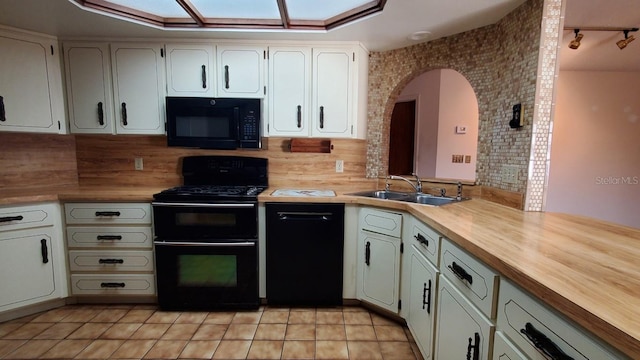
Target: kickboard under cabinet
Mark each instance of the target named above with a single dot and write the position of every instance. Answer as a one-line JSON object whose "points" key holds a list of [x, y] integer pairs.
{"points": [[113, 284]]}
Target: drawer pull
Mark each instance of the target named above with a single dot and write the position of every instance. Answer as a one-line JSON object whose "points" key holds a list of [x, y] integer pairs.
{"points": [[11, 218], [422, 240], [426, 297], [111, 261], [107, 213], [112, 285], [543, 343], [473, 350], [460, 272], [367, 253], [109, 237]]}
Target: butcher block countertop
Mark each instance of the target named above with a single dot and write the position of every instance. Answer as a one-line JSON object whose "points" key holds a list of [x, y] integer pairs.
{"points": [[589, 270]]}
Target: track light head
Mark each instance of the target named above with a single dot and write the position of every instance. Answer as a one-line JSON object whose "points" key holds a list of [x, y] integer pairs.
{"points": [[626, 41], [575, 43]]}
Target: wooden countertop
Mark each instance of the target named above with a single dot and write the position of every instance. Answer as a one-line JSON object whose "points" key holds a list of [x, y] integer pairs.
{"points": [[587, 269]]}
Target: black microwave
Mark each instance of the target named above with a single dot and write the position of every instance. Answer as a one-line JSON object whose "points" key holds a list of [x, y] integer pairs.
{"points": [[213, 123]]}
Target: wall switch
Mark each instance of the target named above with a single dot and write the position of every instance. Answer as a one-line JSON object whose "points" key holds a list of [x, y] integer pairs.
{"points": [[339, 166], [467, 159], [138, 164], [509, 174]]}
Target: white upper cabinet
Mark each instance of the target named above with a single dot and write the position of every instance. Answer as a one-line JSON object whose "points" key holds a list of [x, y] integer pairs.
{"points": [[313, 91], [88, 76], [332, 106], [289, 91], [190, 70], [139, 88], [240, 71], [30, 83]]}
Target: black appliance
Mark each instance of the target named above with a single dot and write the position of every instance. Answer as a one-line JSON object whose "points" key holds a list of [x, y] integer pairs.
{"points": [[206, 245], [304, 249], [213, 123]]}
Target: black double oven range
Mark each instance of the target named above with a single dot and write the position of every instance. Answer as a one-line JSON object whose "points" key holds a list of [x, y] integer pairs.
{"points": [[206, 234]]}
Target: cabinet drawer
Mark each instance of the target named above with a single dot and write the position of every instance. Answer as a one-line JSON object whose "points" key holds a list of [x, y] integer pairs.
{"points": [[425, 240], [113, 284], [382, 222], [110, 236], [81, 260], [23, 217], [518, 312], [473, 278], [108, 213]]}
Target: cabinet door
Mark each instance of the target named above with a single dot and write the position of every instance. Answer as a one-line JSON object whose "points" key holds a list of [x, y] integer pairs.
{"points": [[26, 267], [240, 71], [190, 70], [462, 331], [89, 88], [289, 89], [423, 285], [139, 88], [30, 84], [379, 270], [332, 93]]}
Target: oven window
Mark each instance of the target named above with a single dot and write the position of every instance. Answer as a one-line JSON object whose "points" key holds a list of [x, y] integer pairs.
{"points": [[205, 219], [202, 126], [207, 270]]}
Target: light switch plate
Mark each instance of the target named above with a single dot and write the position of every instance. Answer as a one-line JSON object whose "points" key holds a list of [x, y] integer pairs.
{"points": [[509, 174]]}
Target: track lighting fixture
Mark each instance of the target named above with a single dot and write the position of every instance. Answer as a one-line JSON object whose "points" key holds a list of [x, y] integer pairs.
{"points": [[627, 39], [575, 43]]}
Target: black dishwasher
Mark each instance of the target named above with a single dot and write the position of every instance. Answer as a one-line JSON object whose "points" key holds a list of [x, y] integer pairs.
{"points": [[304, 248]]}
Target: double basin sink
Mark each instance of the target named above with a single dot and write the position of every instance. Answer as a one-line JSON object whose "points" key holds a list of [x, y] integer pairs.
{"points": [[417, 198]]}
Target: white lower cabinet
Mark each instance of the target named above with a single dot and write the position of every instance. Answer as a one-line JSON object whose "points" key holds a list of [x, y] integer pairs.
{"points": [[378, 254], [110, 249], [537, 330], [423, 285], [503, 349], [31, 256], [462, 332]]}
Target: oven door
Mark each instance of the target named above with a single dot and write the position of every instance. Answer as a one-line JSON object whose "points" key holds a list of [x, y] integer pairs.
{"points": [[203, 276], [196, 221]]}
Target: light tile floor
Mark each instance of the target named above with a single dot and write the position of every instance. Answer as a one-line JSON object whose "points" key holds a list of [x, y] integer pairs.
{"points": [[143, 332]]}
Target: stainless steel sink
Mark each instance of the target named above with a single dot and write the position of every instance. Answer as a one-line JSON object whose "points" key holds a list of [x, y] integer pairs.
{"points": [[425, 199], [432, 200], [384, 194]]}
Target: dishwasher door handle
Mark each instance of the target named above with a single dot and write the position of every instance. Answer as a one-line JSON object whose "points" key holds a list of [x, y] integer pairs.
{"points": [[304, 216]]}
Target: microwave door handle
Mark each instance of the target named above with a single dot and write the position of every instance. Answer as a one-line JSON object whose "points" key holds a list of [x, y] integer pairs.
{"points": [[236, 118]]}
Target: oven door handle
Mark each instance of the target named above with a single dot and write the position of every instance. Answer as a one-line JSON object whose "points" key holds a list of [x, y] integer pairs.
{"points": [[216, 244], [216, 205]]}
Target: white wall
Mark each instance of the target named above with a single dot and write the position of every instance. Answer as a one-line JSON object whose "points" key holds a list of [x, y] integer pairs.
{"points": [[445, 99], [595, 153]]}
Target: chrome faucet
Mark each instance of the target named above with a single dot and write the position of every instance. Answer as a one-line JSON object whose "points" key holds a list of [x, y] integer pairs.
{"points": [[417, 187]]}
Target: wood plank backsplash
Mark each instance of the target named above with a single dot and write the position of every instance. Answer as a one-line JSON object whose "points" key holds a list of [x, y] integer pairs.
{"points": [[37, 160], [109, 160]]}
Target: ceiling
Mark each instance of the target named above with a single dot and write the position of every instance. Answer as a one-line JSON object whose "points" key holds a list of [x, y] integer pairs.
{"points": [[382, 31], [598, 50]]}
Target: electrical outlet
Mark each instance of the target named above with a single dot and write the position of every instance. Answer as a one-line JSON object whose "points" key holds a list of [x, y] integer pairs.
{"points": [[138, 164], [339, 166], [509, 174]]}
